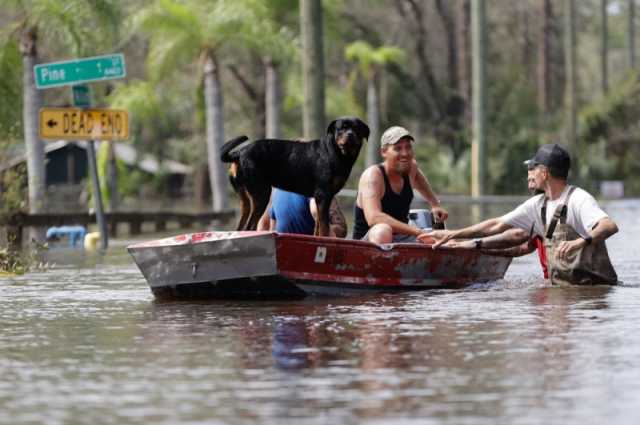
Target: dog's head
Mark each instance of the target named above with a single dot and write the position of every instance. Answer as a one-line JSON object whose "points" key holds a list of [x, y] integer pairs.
{"points": [[348, 133]]}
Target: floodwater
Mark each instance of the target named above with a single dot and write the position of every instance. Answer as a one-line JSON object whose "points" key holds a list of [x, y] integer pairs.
{"points": [[84, 342]]}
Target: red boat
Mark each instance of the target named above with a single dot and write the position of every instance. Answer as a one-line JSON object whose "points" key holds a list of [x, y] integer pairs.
{"points": [[268, 264]]}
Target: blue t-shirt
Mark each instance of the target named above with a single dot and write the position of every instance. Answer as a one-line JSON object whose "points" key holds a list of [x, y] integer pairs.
{"points": [[291, 213]]}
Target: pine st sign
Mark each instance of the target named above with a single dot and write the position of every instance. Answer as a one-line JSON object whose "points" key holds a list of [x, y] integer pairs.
{"points": [[83, 124], [76, 71]]}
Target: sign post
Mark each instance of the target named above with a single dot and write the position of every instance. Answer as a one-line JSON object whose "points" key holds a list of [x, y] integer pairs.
{"points": [[93, 169], [84, 124]]}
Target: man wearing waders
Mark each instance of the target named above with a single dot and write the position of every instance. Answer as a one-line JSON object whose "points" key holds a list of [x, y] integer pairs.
{"points": [[568, 219]]}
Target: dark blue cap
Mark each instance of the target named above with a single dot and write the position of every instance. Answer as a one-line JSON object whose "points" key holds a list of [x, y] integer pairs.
{"points": [[553, 156]]}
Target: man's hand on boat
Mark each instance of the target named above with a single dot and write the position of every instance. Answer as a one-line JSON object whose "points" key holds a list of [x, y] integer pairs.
{"points": [[440, 214], [436, 238], [426, 238]]}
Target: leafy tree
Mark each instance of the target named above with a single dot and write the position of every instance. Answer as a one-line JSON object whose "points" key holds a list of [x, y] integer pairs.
{"points": [[189, 31], [10, 86], [74, 24], [371, 61]]}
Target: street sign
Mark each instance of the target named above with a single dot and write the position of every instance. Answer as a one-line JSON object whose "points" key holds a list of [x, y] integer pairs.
{"points": [[83, 124], [98, 68], [81, 95]]}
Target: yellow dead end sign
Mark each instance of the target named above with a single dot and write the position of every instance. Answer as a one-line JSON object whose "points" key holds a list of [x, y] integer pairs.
{"points": [[83, 124]]}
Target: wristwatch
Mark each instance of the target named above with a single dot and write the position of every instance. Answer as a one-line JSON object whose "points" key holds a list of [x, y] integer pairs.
{"points": [[588, 240], [477, 243]]}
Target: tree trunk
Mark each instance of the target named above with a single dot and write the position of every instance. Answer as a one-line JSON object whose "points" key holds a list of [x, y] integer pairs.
{"points": [[478, 148], [215, 132], [544, 62], [273, 99], [604, 47], [570, 80], [200, 187], [464, 62], [34, 146], [312, 68], [527, 45], [254, 93], [632, 33], [373, 120], [449, 26]]}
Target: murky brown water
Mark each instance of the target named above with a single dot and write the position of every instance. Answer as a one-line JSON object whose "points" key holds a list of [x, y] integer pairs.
{"points": [[85, 343]]}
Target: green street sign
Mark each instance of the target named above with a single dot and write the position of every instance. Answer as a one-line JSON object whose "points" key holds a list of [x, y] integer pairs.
{"points": [[81, 95], [98, 68]]}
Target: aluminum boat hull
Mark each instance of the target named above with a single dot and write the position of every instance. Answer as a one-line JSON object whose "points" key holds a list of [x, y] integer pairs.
{"points": [[268, 264]]}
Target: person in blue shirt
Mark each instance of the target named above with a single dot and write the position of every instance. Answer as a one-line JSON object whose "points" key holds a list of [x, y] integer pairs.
{"points": [[294, 213]]}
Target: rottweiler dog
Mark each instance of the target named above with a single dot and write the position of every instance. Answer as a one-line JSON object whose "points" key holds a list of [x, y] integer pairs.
{"points": [[317, 168]]}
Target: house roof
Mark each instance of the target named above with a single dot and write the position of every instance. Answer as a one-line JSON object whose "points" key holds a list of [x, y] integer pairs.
{"points": [[124, 152]]}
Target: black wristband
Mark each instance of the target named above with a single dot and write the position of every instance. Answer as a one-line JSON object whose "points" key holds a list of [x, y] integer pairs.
{"points": [[478, 243], [588, 239]]}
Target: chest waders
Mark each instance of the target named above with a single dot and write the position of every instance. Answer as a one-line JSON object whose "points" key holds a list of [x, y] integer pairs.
{"points": [[589, 265]]}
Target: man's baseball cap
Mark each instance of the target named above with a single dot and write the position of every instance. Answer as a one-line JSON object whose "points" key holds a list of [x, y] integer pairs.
{"points": [[553, 156], [392, 135]]}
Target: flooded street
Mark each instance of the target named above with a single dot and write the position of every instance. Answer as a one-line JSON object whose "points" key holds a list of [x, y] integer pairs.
{"points": [[86, 343]]}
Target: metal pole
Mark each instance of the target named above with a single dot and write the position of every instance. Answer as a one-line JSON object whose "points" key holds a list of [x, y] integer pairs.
{"points": [[82, 98], [604, 47], [313, 108], [478, 144], [97, 195], [570, 85]]}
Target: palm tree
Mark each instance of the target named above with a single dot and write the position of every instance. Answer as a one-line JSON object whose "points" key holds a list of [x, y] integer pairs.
{"points": [[371, 62], [268, 36], [74, 24], [189, 31], [276, 52]]}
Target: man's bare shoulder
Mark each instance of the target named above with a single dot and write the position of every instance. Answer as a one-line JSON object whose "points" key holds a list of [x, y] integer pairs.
{"points": [[414, 170], [371, 182]]}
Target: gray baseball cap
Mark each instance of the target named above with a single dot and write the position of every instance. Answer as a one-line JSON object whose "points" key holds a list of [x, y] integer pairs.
{"points": [[392, 135]]}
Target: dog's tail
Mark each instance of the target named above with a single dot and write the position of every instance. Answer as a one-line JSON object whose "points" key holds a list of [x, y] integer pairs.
{"points": [[229, 146]]}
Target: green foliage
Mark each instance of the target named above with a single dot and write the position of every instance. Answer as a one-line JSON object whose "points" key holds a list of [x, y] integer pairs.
{"points": [[10, 89], [180, 32], [129, 181], [13, 183], [617, 111], [513, 130], [341, 102], [13, 191], [611, 132], [11, 263], [85, 27], [369, 58], [445, 173], [171, 37]]}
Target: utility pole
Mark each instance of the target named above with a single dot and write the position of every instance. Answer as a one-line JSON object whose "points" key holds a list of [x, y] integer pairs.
{"points": [[631, 33], [604, 47], [478, 145], [312, 68], [570, 69]]}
